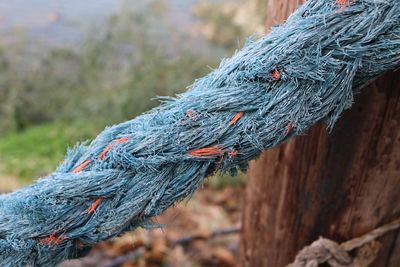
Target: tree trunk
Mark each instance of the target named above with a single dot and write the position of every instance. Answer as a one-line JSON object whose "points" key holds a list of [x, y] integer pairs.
{"points": [[338, 185]]}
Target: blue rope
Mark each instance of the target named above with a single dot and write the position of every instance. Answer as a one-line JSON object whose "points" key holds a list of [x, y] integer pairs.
{"points": [[304, 71]]}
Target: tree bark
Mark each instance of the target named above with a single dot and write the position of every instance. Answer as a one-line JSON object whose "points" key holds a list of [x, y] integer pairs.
{"points": [[338, 185]]}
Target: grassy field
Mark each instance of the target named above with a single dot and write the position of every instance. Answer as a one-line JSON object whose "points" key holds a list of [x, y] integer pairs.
{"points": [[38, 150]]}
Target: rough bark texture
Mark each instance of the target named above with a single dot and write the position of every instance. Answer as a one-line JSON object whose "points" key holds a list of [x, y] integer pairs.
{"points": [[338, 185]]}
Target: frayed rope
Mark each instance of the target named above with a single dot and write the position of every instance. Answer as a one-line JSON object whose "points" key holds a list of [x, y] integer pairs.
{"points": [[304, 71], [326, 251]]}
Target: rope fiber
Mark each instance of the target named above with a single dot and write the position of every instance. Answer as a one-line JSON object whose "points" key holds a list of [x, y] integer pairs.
{"points": [[327, 251], [276, 87]]}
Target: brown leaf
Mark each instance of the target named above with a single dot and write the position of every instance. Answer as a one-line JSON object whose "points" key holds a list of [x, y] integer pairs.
{"points": [[224, 257]]}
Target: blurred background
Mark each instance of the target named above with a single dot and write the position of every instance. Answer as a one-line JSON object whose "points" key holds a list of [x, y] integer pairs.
{"points": [[68, 68]]}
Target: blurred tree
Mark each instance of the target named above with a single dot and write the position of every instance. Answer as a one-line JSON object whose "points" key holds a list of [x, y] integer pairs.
{"points": [[122, 63], [227, 22]]}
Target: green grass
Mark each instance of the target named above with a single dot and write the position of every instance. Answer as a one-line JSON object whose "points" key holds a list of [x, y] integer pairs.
{"points": [[38, 150]]}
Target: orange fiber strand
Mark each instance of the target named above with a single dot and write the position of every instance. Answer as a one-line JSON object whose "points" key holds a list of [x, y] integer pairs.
{"points": [[236, 118], [276, 74], [207, 151], [342, 2], [81, 167], [289, 128], [109, 146], [190, 113], [94, 205], [233, 153], [105, 151], [122, 140], [53, 239]]}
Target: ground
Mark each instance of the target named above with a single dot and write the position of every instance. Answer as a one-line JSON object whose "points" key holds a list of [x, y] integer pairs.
{"points": [[203, 231]]}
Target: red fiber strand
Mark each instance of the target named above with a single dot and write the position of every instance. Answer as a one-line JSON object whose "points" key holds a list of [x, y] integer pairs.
{"points": [[233, 153], [122, 140], [109, 146], [190, 113], [105, 151], [53, 239], [342, 2], [276, 74], [82, 166], [236, 118], [207, 151], [94, 205], [289, 128]]}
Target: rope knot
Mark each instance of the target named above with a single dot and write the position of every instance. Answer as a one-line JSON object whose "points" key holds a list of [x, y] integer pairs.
{"points": [[327, 251]]}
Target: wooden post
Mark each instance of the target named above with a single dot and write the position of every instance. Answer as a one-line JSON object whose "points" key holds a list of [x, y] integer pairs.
{"points": [[338, 185]]}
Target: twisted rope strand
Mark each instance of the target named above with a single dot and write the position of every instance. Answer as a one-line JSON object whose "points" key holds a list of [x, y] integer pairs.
{"points": [[304, 71]]}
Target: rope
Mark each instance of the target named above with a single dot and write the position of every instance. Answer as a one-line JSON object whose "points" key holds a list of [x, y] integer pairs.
{"points": [[304, 71], [327, 251]]}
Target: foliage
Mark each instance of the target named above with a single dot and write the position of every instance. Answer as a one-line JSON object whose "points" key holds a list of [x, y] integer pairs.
{"points": [[112, 77], [227, 22]]}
